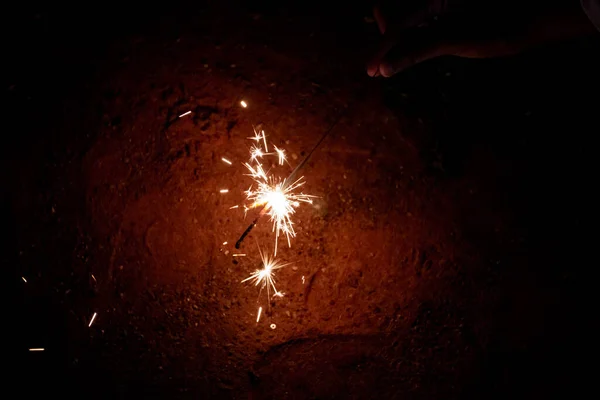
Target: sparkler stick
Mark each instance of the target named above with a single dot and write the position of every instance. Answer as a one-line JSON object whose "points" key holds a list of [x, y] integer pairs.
{"points": [[288, 181]]}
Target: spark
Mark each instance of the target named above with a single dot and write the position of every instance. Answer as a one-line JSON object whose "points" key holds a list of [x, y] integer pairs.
{"points": [[258, 316], [244, 104], [92, 321], [94, 278], [185, 113], [239, 255], [256, 152], [24, 280], [257, 136], [37, 349], [279, 294], [226, 160], [264, 277], [265, 140], [233, 207], [280, 154], [224, 191], [273, 326], [303, 279], [224, 243]]}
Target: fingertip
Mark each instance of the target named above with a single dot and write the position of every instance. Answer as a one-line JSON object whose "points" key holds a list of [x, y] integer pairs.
{"points": [[387, 70], [372, 70]]}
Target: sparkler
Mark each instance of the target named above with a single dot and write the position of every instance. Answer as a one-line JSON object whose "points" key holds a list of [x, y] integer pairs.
{"points": [[277, 197]]}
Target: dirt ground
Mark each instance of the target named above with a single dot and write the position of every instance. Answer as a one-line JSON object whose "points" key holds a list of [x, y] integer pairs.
{"points": [[444, 256]]}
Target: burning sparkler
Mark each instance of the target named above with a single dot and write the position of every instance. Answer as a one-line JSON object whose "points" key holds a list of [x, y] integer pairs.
{"points": [[264, 277], [277, 197]]}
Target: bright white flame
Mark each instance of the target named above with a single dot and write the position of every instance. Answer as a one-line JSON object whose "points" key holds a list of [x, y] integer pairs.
{"points": [[279, 199]]}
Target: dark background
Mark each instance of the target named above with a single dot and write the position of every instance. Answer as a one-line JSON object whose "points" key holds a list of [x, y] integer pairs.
{"points": [[487, 295]]}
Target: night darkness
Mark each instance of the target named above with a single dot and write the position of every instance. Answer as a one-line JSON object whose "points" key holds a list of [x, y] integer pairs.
{"points": [[446, 254]]}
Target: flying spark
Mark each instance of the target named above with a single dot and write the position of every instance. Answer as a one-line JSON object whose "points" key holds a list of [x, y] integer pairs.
{"points": [[273, 326], [224, 191], [37, 349], [280, 155], [92, 321], [233, 207], [224, 243], [24, 280], [258, 316], [226, 160], [185, 113], [243, 103], [238, 255]]}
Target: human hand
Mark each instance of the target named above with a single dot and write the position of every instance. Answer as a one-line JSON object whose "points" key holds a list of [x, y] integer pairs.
{"points": [[418, 30]]}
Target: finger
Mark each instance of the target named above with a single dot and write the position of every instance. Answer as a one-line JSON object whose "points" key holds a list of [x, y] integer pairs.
{"points": [[380, 19], [405, 15], [386, 45], [417, 46]]}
